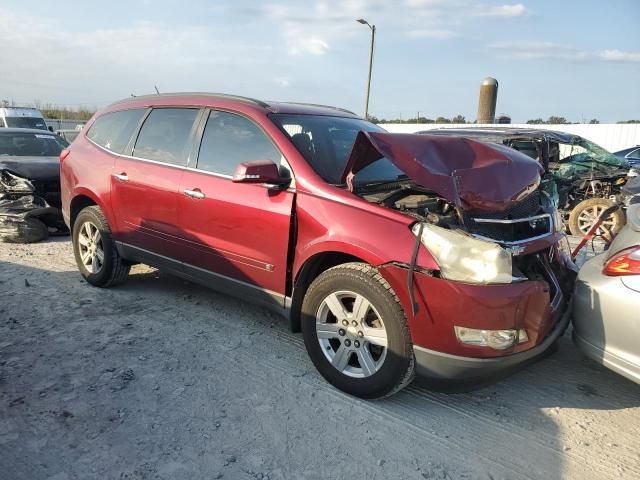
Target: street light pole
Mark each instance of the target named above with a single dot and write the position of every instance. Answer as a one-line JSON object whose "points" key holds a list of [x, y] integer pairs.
{"points": [[373, 37]]}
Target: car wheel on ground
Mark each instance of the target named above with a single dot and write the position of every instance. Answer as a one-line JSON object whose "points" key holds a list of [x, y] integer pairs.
{"points": [[356, 332], [95, 251], [584, 215]]}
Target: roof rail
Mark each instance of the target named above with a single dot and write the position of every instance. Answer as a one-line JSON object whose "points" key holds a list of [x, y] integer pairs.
{"points": [[323, 106], [252, 101]]}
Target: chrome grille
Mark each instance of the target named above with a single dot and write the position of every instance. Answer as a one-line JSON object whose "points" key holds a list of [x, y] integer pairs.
{"points": [[523, 222]]}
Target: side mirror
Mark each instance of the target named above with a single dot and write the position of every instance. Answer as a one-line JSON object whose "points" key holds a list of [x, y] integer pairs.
{"points": [[259, 171]]}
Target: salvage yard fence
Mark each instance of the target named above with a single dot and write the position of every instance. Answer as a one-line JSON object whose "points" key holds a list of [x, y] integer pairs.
{"points": [[611, 136], [60, 124]]}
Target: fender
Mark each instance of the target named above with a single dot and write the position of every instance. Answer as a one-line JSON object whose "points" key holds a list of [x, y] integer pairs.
{"points": [[104, 206]]}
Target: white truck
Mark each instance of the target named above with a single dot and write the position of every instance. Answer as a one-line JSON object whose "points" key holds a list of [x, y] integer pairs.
{"points": [[21, 117]]}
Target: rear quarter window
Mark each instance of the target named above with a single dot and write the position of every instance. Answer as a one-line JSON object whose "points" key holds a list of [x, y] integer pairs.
{"points": [[113, 130]]}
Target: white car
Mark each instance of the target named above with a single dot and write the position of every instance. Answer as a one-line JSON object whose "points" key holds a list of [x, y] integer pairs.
{"points": [[606, 311]]}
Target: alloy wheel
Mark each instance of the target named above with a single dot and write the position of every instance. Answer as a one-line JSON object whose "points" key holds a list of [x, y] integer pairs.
{"points": [[589, 216], [90, 247], [351, 334]]}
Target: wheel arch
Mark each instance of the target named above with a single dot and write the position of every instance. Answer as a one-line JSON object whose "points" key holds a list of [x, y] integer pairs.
{"points": [[308, 272], [85, 198]]}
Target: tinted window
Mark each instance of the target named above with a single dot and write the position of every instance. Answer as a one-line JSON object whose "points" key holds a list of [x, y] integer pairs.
{"points": [[26, 122], [635, 155], [229, 140], [113, 130], [31, 145], [165, 134], [326, 142]]}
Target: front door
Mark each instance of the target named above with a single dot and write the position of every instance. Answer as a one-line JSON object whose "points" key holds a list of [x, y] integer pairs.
{"points": [[237, 232]]}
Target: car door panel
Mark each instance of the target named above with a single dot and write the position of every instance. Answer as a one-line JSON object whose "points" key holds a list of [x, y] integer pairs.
{"points": [[143, 223], [236, 230], [146, 184], [240, 231]]}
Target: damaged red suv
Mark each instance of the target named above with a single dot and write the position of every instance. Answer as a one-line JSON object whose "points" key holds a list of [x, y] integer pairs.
{"points": [[394, 254]]}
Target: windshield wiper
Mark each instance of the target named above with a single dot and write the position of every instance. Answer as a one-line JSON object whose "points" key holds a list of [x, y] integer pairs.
{"points": [[400, 179]]}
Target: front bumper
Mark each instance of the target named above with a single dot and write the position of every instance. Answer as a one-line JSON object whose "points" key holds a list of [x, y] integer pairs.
{"points": [[443, 366], [540, 307]]}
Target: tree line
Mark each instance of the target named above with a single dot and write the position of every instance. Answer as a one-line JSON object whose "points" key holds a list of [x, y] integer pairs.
{"points": [[552, 120], [57, 112], [83, 113]]}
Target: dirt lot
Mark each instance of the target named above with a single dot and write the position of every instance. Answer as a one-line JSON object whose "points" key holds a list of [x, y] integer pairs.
{"points": [[163, 379]]}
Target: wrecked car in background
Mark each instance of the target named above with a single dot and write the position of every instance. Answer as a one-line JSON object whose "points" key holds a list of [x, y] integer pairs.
{"points": [[394, 254], [587, 177], [29, 185]]}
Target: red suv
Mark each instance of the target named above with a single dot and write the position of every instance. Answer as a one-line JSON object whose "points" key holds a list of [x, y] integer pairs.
{"points": [[392, 253]]}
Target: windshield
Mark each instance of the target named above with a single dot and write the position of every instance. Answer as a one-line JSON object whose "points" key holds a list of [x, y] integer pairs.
{"points": [[326, 142], [25, 122], [31, 145], [584, 151]]}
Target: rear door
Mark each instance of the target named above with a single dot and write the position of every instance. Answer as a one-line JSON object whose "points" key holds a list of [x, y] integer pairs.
{"points": [[236, 234], [145, 184]]}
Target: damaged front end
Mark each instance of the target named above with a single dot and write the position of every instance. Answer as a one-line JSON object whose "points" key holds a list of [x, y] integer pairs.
{"points": [[489, 221], [25, 214]]}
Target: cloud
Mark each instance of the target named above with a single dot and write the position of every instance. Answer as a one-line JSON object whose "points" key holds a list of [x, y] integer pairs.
{"points": [[48, 61], [282, 82], [536, 49], [506, 11], [528, 50], [317, 26], [618, 56]]}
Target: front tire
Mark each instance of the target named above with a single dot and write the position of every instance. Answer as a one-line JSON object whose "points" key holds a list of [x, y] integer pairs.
{"points": [[356, 332], [95, 251]]}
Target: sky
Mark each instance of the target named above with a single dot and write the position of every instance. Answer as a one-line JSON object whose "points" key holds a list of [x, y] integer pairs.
{"points": [[577, 59]]}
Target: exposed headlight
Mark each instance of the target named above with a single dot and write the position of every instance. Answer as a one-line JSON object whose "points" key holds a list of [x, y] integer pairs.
{"points": [[496, 339], [464, 258]]}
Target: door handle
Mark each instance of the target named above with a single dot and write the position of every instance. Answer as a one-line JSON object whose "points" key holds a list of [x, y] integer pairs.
{"points": [[121, 176], [194, 193]]}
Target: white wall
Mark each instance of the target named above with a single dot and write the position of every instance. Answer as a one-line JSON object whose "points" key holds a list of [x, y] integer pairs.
{"points": [[612, 136]]}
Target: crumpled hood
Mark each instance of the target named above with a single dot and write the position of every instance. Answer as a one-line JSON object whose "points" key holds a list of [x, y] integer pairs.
{"points": [[32, 168], [469, 174]]}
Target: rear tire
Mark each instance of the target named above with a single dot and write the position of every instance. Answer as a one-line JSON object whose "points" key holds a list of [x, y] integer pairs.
{"points": [[348, 348], [95, 251], [587, 211]]}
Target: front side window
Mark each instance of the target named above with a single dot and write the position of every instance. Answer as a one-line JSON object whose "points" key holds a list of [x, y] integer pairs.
{"points": [[164, 136], [113, 130], [326, 142], [231, 139], [31, 145]]}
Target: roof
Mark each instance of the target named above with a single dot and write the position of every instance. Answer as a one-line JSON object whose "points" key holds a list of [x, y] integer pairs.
{"points": [[267, 106], [26, 130], [501, 133]]}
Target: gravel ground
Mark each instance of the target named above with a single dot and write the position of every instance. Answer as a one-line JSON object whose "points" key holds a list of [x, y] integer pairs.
{"points": [[160, 378]]}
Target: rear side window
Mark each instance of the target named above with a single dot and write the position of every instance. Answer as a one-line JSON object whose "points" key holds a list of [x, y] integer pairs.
{"points": [[165, 135], [113, 130], [231, 139]]}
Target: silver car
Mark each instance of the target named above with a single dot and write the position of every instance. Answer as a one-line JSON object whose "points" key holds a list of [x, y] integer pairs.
{"points": [[606, 314]]}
